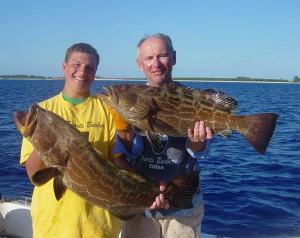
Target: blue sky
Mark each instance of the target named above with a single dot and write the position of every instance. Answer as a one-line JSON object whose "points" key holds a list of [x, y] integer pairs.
{"points": [[229, 38]]}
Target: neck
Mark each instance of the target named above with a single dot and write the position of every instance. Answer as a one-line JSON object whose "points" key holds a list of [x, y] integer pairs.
{"points": [[157, 84], [72, 94], [73, 100]]}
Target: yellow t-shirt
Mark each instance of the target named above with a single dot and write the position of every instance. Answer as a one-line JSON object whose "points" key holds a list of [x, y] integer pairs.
{"points": [[72, 216]]}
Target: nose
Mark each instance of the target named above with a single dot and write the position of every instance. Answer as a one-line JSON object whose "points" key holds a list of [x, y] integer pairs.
{"points": [[84, 69], [156, 62]]}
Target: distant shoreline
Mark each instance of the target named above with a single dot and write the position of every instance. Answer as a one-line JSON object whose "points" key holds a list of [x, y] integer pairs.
{"points": [[175, 79], [243, 79]]}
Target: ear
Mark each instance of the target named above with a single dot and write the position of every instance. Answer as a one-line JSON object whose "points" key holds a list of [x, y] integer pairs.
{"points": [[63, 67], [174, 57], [139, 63]]}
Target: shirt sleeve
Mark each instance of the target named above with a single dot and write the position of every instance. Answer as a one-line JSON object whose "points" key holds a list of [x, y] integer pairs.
{"points": [[111, 131], [137, 147], [199, 154], [26, 150]]}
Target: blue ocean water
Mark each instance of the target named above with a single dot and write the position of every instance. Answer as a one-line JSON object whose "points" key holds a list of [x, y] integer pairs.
{"points": [[246, 194]]}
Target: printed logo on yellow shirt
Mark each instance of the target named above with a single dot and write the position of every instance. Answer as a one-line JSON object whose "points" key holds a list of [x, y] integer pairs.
{"points": [[88, 124], [78, 126], [94, 124]]}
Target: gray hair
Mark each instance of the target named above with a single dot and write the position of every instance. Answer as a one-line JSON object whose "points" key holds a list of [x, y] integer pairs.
{"points": [[164, 37]]}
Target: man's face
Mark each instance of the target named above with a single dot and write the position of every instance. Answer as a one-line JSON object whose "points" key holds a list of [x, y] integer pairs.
{"points": [[156, 61], [79, 73]]}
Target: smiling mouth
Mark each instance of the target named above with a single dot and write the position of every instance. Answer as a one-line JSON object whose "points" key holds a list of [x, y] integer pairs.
{"points": [[159, 72], [80, 79]]}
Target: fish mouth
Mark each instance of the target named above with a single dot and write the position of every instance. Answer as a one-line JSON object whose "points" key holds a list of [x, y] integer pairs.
{"points": [[111, 94], [26, 121]]}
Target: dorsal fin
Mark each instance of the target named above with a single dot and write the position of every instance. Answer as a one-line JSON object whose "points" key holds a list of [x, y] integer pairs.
{"points": [[209, 96], [216, 98]]}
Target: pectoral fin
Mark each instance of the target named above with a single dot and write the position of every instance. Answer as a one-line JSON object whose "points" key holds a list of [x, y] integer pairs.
{"points": [[44, 175], [140, 112], [59, 188], [159, 125], [154, 140], [145, 111]]}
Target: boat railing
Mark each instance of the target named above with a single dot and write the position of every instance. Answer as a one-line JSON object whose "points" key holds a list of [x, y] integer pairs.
{"points": [[21, 200]]}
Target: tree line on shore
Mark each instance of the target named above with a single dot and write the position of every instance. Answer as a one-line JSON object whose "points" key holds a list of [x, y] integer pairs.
{"points": [[31, 76]]}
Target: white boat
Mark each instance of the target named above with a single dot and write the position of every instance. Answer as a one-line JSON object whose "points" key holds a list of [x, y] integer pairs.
{"points": [[15, 220]]}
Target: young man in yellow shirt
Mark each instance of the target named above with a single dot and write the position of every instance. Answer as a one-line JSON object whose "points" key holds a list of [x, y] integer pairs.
{"points": [[72, 216]]}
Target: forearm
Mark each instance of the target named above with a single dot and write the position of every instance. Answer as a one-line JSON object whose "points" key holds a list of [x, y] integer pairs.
{"points": [[122, 163], [33, 164]]}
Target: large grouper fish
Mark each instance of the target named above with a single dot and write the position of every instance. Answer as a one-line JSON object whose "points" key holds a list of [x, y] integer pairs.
{"points": [[172, 108], [74, 164]]}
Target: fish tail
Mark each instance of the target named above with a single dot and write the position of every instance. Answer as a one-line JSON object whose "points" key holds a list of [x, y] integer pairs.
{"points": [[258, 129], [180, 194]]}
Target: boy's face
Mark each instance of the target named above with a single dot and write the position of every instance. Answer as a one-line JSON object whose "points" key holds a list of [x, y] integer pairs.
{"points": [[79, 71]]}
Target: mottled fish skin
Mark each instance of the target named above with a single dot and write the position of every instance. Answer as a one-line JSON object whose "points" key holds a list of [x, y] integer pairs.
{"points": [[172, 108], [73, 163]]}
